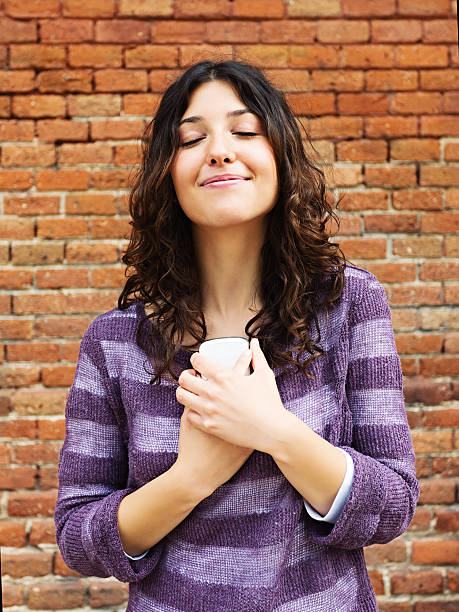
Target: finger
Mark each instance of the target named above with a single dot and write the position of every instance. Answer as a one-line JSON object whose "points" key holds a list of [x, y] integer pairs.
{"points": [[205, 366], [188, 399], [191, 382], [259, 360], [243, 362]]}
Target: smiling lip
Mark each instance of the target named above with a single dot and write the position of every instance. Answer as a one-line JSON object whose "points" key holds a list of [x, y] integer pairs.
{"points": [[230, 178]]}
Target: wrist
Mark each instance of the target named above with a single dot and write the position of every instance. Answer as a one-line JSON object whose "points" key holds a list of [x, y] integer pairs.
{"points": [[191, 487], [279, 437]]}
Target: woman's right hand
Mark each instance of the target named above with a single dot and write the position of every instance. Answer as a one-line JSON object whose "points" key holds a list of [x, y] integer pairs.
{"points": [[207, 461]]}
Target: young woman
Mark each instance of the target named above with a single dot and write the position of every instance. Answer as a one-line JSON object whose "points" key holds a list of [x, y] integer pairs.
{"points": [[234, 492]]}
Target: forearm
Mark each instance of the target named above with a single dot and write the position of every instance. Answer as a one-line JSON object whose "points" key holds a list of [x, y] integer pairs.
{"points": [[152, 511], [313, 466]]}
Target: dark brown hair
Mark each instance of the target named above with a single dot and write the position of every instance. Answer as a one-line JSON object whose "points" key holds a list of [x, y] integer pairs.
{"points": [[302, 270]]}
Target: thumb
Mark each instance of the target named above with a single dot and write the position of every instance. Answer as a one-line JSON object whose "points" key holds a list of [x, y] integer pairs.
{"points": [[243, 362]]}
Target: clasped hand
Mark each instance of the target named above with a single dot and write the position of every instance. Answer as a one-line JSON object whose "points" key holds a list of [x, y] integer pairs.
{"points": [[244, 410]]}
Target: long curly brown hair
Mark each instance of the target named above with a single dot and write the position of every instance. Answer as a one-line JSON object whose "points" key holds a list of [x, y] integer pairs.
{"points": [[302, 270]]}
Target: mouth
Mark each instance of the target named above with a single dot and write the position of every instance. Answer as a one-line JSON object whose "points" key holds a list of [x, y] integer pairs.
{"points": [[225, 182]]}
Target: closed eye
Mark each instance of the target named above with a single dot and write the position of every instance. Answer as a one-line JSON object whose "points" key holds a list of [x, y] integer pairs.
{"points": [[192, 142]]}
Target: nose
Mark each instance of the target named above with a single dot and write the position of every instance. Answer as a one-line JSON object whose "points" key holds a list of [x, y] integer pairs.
{"points": [[220, 152]]}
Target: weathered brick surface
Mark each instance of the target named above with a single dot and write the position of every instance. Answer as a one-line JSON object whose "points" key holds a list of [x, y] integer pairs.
{"points": [[375, 84]]}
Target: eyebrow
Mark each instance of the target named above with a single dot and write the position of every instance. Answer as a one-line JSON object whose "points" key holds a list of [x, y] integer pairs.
{"points": [[196, 118]]}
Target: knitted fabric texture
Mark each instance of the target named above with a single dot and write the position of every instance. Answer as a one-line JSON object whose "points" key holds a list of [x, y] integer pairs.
{"points": [[250, 546]]}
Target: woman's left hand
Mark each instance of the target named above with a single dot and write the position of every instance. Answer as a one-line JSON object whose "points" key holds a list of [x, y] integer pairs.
{"points": [[244, 410]]}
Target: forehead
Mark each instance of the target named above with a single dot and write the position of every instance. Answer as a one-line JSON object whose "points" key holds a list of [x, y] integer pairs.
{"points": [[213, 99]]}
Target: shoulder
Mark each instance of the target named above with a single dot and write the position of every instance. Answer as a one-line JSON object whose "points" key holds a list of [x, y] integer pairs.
{"points": [[360, 284], [116, 324]]}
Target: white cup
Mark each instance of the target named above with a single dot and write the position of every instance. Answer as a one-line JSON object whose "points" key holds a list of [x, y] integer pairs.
{"points": [[225, 351]]}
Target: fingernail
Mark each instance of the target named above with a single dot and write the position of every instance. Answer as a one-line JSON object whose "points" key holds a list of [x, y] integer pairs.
{"points": [[255, 342]]}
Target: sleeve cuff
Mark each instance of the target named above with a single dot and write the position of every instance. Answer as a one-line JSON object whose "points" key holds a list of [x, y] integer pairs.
{"points": [[341, 497], [137, 557]]}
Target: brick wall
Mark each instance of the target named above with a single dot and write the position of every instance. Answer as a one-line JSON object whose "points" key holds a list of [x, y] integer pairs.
{"points": [[376, 83]]}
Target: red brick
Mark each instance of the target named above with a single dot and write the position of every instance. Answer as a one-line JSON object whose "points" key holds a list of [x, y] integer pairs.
{"points": [[12, 533], [445, 466], [440, 79], [110, 228], [61, 327], [440, 126], [400, 176], [17, 478], [377, 582], [50, 130], [90, 302], [338, 80], [121, 80], [80, 252], [13, 595], [232, 32], [362, 150], [440, 222], [365, 248], [95, 8], [401, 319], [446, 520], [110, 179], [437, 491], [359, 8], [365, 200], [128, 154], [421, 520], [94, 105], [416, 103], [415, 149], [421, 56], [440, 30], [48, 477], [28, 155], [16, 279], [90, 204], [95, 56], [367, 56], [61, 228], [19, 229], [451, 152], [37, 56], [452, 579], [311, 103], [314, 56], [58, 375], [432, 441], [379, 554], [19, 376], [20, 80], [16, 130], [416, 582], [39, 106], [439, 366], [164, 31], [39, 303], [258, 8], [345, 176], [336, 127], [107, 277], [396, 30], [418, 246], [37, 254], [61, 569], [59, 279], [51, 429], [108, 593], [439, 175], [197, 9], [293, 31], [441, 418], [12, 31], [32, 8], [42, 532], [410, 295], [362, 103], [61, 81], [56, 596], [91, 153], [146, 8], [418, 199], [427, 8], [342, 31], [390, 127], [390, 80], [452, 198], [140, 104], [20, 564], [5, 106], [43, 452], [16, 329], [430, 271], [452, 342], [66, 30], [390, 223], [33, 351], [67, 180], [438, 552], [320, 8], [38, 403], [269, 56], [122, 31]]}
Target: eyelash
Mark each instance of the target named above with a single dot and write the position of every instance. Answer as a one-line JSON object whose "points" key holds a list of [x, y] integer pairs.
{"points": [[191, 142]]}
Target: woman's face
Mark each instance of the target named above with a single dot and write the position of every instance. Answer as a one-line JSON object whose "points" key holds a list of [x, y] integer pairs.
{"points": [[219, 136]]}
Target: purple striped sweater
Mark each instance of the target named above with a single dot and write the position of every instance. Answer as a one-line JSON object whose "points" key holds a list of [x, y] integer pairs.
{"points": [[250, 546]]}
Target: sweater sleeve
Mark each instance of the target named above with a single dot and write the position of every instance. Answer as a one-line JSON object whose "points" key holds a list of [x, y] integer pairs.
{"points": [[384, 491], [93, 474]]}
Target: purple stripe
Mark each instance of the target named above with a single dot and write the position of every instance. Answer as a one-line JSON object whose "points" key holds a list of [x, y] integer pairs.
{"points": [[379, 372]]}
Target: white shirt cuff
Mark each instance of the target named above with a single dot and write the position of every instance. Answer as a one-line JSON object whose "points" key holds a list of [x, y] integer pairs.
{"points": [[138, 556], [341, 497]]}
